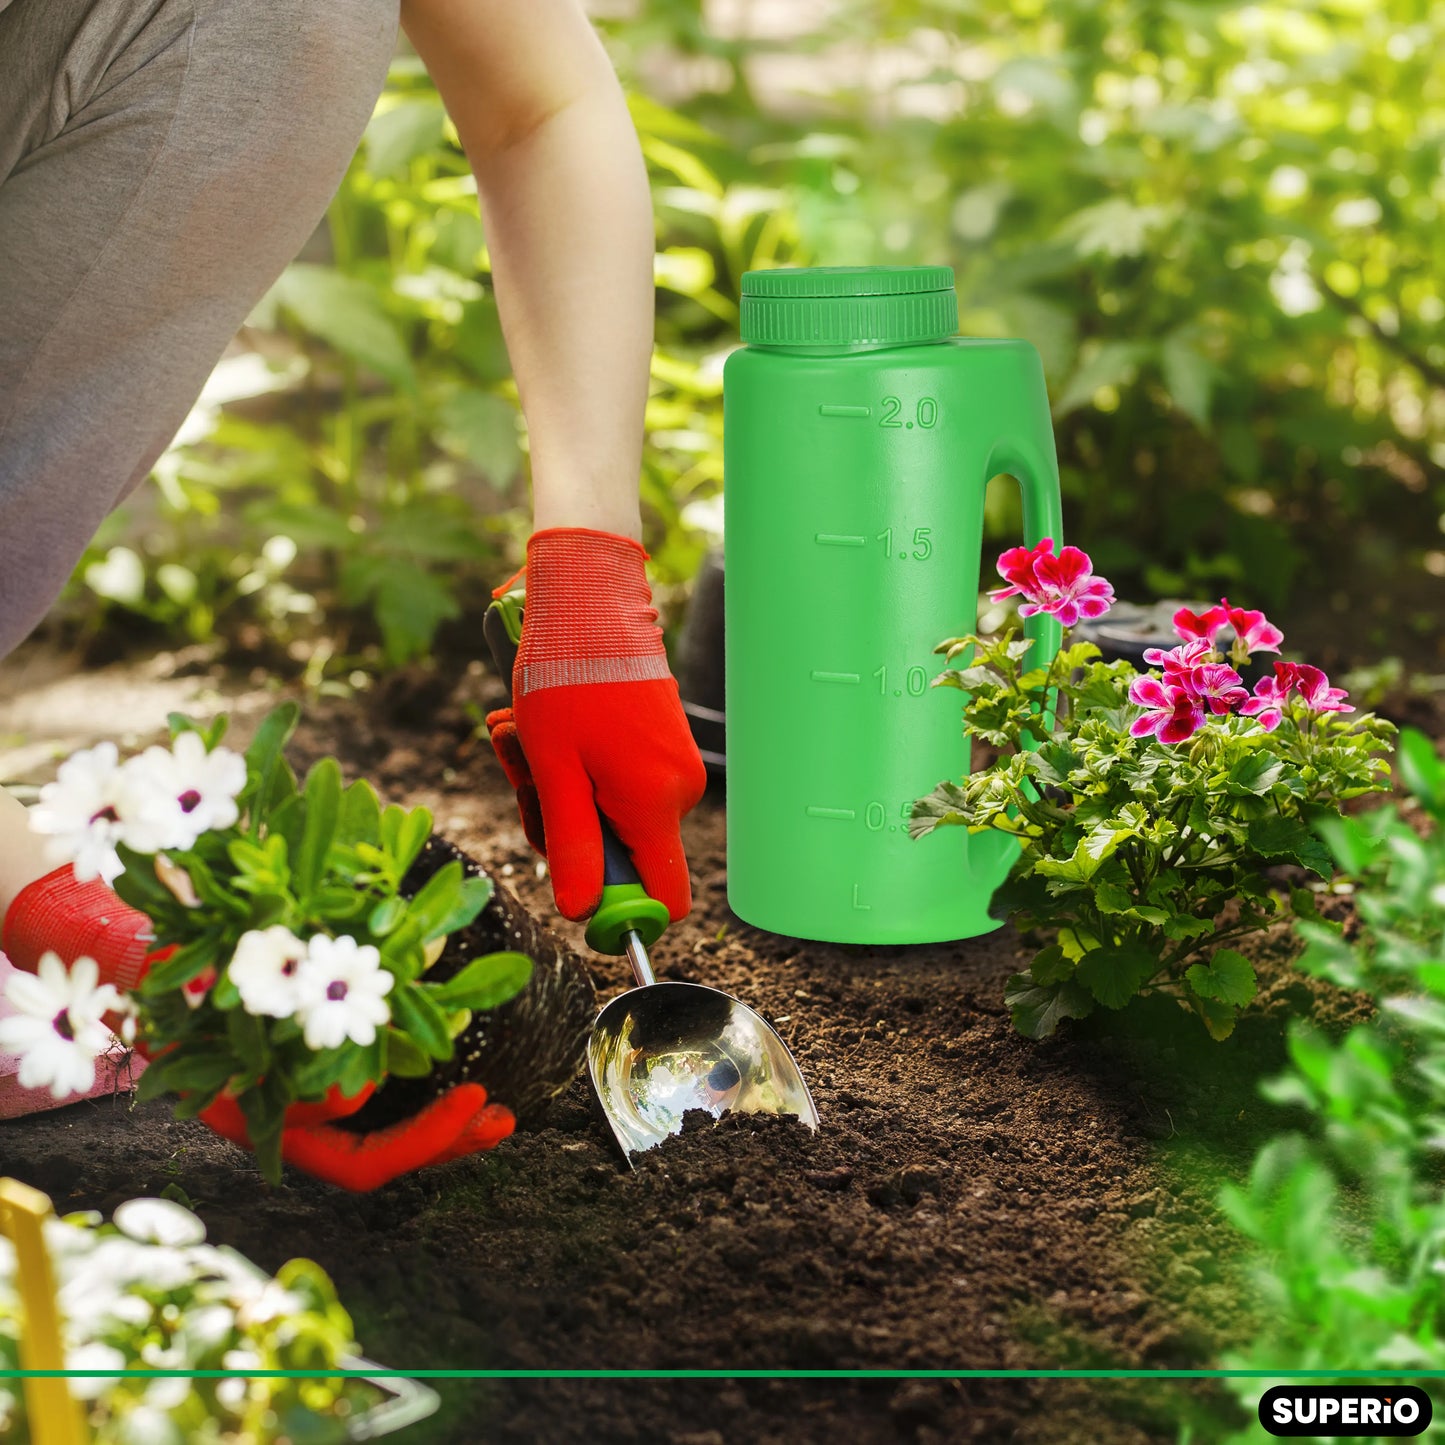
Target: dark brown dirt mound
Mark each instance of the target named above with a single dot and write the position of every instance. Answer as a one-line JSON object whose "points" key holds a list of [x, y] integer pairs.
{"points": [[973, 1200]]}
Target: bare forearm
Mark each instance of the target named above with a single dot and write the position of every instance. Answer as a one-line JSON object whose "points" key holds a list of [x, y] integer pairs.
{"points": [[569, 228], [21, 859]]}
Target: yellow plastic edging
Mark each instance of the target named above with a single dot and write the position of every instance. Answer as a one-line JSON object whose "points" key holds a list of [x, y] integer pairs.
{"points": [[55, 1415]]}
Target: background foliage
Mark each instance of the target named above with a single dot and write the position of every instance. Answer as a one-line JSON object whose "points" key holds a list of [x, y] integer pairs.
{"points": [[1220, 224]]}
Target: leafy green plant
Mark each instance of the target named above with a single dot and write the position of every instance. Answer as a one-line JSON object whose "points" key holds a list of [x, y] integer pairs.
{"points": [[1347, 1216], [1147, 807], [290, 955], [1234, 295], [147, 1293]]}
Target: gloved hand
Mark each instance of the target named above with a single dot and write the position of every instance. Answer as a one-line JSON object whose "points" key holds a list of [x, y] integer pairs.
{"points": [[596, 722], [88, 920], [460, 1122]]}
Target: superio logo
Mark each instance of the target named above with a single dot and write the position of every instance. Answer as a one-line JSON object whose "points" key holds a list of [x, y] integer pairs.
{"points": [[1343, 1412]]}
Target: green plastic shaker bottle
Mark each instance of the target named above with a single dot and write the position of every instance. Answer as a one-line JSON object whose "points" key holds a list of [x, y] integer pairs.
{"points": [[860, 434]]}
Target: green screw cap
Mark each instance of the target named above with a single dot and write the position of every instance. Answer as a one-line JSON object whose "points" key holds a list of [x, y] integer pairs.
{"points": [[848, 305]]}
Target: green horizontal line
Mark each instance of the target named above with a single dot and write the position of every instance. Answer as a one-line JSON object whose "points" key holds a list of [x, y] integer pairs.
{"points": [[724, 1374]]}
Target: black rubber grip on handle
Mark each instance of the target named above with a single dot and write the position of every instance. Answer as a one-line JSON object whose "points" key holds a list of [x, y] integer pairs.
{"points": [[617, 864]]}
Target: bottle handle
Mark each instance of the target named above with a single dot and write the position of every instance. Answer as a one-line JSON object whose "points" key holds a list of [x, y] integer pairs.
{"points": [[1038, 478]]}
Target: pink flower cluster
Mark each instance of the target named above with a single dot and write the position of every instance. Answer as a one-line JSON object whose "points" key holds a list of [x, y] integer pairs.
{"points": [[1197, 684], [1062, 586]]}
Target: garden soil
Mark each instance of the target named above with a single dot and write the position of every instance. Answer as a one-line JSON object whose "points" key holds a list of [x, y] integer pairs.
{"points": [[973, 1200]]}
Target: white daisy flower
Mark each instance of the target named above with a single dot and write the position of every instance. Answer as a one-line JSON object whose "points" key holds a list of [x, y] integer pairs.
{"points": [[266, 969], [343, 992], [187, 791], [94, 1355], [57, 1029], [233, 1391], [85, 812]]}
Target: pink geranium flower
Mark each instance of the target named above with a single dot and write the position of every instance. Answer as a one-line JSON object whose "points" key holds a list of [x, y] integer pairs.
{"points": [[1016, 567], [1253, 631], [1170, 713], [1065, 587], [1270, 695], [1215, 684], [1206, 625], [1314, 687], [1179, 661]]}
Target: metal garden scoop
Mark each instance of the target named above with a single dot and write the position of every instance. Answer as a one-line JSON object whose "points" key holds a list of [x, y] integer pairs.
{"points": [[662, 1049]]}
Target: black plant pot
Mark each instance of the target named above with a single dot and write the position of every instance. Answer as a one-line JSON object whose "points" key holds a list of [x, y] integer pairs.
{"points": [[700, 675], [1128, 629], [523, 1053]]}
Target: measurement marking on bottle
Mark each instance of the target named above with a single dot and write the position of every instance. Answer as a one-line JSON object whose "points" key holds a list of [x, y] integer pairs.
{"points": [[846, 814], [839, 539], [856, 902], [827, 410], [836, 677]]}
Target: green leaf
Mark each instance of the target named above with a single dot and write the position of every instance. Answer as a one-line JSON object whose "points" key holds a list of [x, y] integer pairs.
{"points": [[265, 763], [482, 427], [306, 525], [1277, 836], [182, 966], [1037, 1012], [485, 982], [1185, 925], [1115, 975], [404, 1058], [140, 887], [386, 915], [362, 1066], [1112, 898], [1219, 1018], [264, 1108], [480, 346], [1256, 773], [323, 810], [414, 1012], [945, 806], [316, 1073], [403, 133], [404, 834], [249, 1041], [1422, 770], [349, 315], [1050, 965], [1189, 377], [410, 606], [476, 893], [1353, 847], [360, 820], [1113, 364], [437, 898], [1082, 865], [191, 1073], [1227, 977]]}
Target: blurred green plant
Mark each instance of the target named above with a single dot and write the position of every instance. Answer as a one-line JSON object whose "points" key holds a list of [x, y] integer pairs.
{"points": [[1218, 222], [1348, 1218]]}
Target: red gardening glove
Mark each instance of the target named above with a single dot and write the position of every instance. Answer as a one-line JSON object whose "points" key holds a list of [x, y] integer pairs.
{"points": [[459, 1122], [502, 729], [77, 920], [598, 720]]}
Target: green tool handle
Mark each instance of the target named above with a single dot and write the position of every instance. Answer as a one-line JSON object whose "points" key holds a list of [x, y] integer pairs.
{"points": [[626, 906]]}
